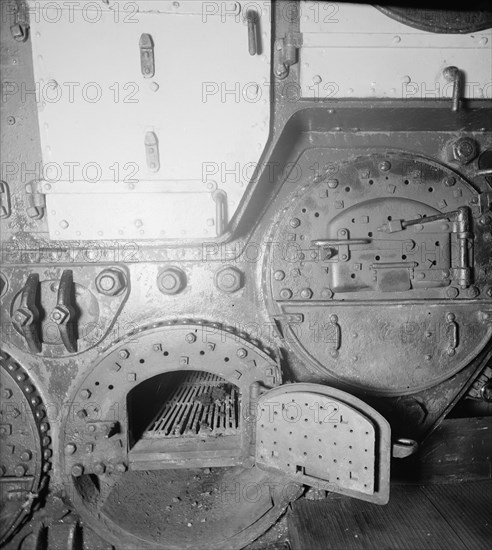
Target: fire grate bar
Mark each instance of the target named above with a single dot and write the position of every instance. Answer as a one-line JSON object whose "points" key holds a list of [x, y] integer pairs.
{"points": [[201, 404]]}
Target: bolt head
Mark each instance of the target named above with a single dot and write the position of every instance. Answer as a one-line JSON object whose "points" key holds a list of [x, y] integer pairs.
{"points": [[384, 165], [327, 293], [286, 294], [171, 280], [23, 317], [59, 314], [464, 150], [190, 338], [70, 448], [449, 181], [111, 282], [306, 293], [26, 456], [85, 394], [295, 222], [121, 467], [20, 470], [99, 468], [472, 292], [242, 353], [229, 280], [452, 292], [123, 354], [77, 470], [332, 184]]}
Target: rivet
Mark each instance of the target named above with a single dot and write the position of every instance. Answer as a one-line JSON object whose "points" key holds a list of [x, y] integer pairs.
{"points": [[279, 275], [85, 394], [20, 470], [7, 393], [70, 448], [26, 456]]}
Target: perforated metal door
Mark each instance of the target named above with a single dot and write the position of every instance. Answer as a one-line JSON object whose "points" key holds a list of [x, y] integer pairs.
{"points": [[325, 438]]}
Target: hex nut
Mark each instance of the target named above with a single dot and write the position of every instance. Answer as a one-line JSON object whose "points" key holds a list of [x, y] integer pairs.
{"points": [[111, 282], [171, 280], [77, 470], [306, 293], [99, 468], [464, 150], [229, 280]]}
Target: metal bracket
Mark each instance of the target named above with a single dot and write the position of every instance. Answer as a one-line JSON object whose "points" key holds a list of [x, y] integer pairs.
{"points": [[152, 151], [460, 221], [147, 61], [343, 243], [286, 53], [36, 201], [452, 333]]}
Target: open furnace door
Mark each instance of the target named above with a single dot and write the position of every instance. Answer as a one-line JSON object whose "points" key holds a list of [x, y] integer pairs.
{"points": [[326, 438]]}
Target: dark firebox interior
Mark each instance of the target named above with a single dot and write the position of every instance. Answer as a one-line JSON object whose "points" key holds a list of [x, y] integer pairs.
{"points": [[186, 404]]}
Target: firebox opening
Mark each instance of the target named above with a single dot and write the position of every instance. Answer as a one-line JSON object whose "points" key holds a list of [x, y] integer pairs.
{"points": [[183, 415]]}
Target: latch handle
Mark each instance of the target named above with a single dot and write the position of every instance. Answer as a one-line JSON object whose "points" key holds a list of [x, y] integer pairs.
{"points": [[26, 317], [252, 20], [63, 314]]}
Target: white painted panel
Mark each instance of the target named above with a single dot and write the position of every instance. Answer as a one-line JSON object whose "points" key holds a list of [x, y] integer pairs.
{"points": [[354, 50], [207, 103]]}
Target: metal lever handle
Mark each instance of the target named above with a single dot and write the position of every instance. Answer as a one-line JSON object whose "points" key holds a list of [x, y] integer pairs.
{"points": [[252, 19], [63, 314], [26, 317]]}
